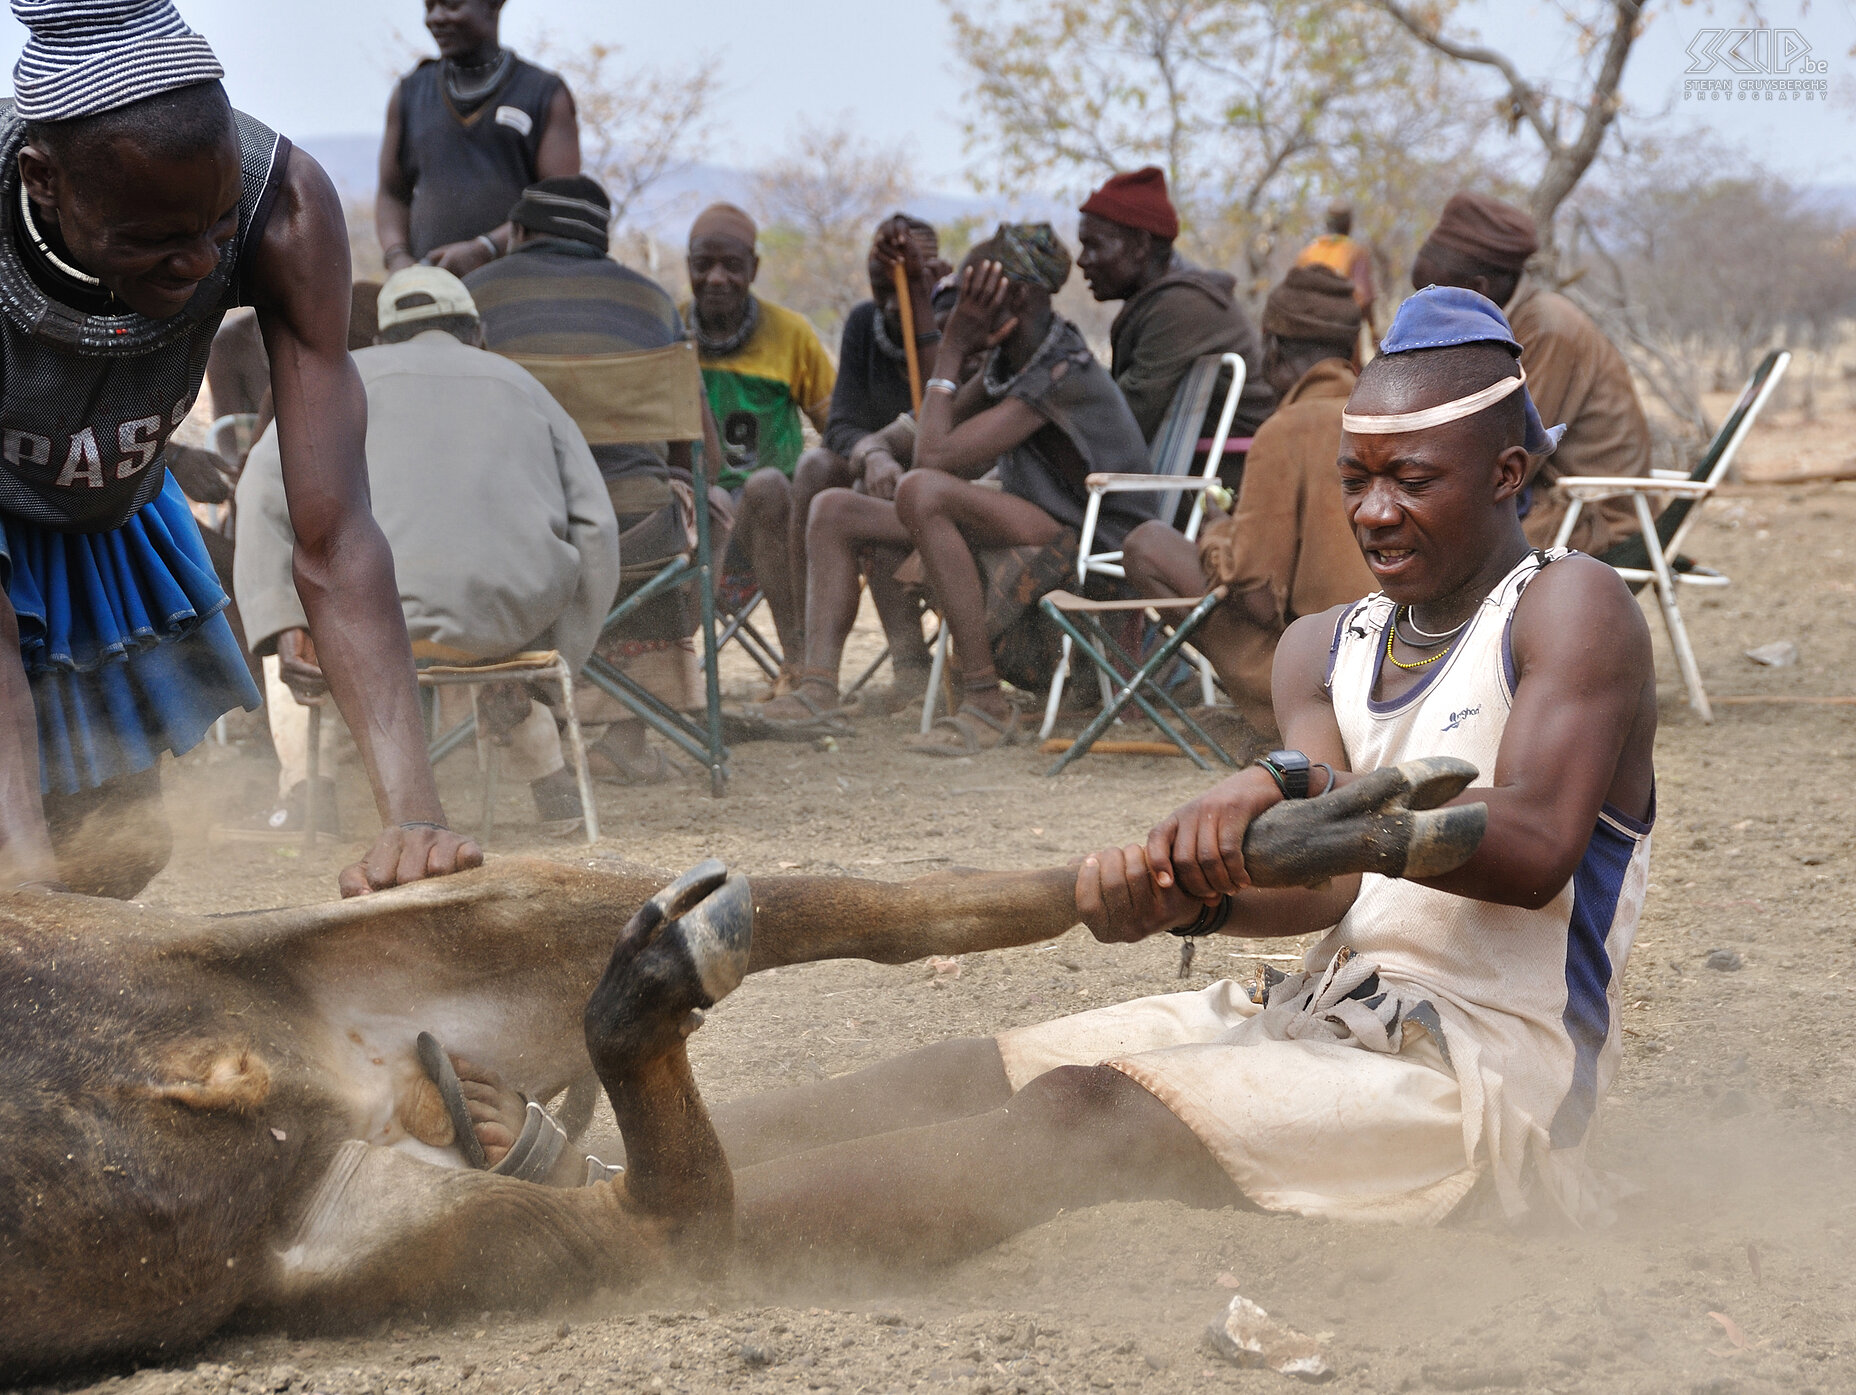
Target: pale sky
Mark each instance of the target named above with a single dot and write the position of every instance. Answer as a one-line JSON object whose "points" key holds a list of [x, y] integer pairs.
{"points": [[326, 68]]}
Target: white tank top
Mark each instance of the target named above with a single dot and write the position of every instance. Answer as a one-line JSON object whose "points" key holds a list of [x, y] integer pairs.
{"points": [[1528, 998]]}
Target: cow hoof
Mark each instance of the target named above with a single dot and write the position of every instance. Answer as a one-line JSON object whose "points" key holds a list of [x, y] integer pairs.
{"points": [[683, 952], [1386, 821]]}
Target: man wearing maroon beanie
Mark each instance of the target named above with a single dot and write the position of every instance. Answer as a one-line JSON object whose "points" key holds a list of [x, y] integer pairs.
{"points": [[1173, 312]]}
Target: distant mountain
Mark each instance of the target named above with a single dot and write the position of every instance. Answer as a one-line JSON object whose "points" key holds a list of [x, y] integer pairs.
{"points": [[353, 162]]}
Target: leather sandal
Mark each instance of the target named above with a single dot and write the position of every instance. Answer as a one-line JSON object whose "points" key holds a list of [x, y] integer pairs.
{"points": [[972, 727]]}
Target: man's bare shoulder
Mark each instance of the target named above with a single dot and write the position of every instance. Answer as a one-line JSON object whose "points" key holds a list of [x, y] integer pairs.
{"points": [[1574, 606], [305, 237], [1305, 645]]}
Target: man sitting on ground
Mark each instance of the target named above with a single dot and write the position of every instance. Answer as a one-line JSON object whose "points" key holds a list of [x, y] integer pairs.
{"points": [[1447, 1043], [1575, 374], [1337, 250], [1288, 549], [871, 392], [1173, 312], [502, 535], [763, 367], [558, 292]]}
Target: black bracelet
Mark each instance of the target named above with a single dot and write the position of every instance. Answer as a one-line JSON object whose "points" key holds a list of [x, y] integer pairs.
{"points": [[932, 336], [411, 824], [1209, 921]]}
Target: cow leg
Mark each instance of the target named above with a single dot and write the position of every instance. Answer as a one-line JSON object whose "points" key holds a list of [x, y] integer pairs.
{"points": [[685, 950], [387, 1234], [384, 1232], [801, 919]]}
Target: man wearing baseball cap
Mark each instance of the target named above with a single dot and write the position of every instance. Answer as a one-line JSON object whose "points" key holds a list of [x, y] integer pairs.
{"points": [[502, 532], [1172, 312]]}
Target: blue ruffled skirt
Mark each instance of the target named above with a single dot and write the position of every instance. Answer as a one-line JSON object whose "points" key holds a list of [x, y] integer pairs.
{"points": [[123, 640]]}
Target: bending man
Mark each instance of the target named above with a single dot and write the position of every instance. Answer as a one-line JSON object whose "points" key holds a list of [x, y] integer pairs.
{"points": [[138, 208]]}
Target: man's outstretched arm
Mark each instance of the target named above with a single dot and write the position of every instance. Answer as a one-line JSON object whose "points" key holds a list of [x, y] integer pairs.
{"points": [[343, 568]]}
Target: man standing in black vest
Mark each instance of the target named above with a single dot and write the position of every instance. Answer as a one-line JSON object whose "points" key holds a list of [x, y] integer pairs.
{"points": [[466, 133]]}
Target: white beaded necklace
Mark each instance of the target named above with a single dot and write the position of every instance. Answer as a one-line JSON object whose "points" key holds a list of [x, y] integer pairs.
{"points": [[38, 241]]}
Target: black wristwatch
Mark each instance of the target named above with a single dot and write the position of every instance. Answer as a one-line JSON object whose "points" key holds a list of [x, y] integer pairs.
{"points": [[1289, 769]]}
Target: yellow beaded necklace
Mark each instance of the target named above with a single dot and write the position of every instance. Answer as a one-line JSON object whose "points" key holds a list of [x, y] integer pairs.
{"points": [[1392, 629]]}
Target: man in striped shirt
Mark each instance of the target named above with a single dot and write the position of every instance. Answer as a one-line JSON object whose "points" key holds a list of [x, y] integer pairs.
{"points": [[559, 292]]}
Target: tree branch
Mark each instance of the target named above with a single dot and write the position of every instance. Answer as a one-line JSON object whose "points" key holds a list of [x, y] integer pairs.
{"points": [[1569, 163], [1522, 93]]}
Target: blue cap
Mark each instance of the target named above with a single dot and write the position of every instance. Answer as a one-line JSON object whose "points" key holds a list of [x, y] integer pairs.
{"points": [[1442, 317]]}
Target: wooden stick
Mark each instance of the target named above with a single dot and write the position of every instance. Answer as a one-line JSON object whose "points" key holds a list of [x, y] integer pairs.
{"points": [[1057, 745], [905, 305]]}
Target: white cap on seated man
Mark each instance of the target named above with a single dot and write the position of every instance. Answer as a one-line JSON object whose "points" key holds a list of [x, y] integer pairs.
{"points": [[502, 532]]}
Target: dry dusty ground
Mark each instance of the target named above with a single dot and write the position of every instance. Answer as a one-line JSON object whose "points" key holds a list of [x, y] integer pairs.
{"points": [[1733, 1111]]}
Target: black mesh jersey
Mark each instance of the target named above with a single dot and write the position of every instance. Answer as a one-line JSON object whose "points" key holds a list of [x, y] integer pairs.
{"points": [[88, 401], [466, 171]]}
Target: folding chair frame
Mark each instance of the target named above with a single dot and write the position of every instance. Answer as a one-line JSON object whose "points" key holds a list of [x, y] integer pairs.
{"points": [[1679, 515], [1059, 605], [605, 411], [546, 667], [701, 742], [740, 628], [1173, 449]]}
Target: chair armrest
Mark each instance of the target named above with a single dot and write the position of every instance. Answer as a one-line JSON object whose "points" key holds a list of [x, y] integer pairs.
{"points": [[1128, 484], [1669, 474], [1591, 487]]}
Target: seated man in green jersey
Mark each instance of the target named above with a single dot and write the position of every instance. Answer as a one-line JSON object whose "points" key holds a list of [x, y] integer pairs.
{"points": [[763, 366]]}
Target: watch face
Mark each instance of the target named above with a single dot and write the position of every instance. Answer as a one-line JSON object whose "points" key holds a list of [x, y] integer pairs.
{"points": [[1288, 760]]}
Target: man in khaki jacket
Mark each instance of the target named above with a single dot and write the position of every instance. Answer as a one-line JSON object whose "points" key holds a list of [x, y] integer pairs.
{"points": [[1287, 550], [1574, 373]]}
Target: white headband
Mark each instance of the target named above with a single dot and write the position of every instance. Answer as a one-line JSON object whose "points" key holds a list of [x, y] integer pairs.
{"points": [[1432, 416]]}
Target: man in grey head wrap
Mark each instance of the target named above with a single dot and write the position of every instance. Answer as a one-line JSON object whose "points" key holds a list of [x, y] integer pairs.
{"points": [[1040, 414]]}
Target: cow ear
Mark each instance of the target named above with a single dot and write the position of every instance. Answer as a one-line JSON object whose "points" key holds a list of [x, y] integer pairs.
{"points": [[213, 1077]]}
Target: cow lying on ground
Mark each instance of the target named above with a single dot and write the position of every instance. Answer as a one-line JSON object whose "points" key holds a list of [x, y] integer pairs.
{"points": [[207, 1119]]}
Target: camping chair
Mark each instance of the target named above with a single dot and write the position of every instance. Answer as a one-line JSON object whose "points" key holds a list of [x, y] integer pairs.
{"points": [[628, 399], [738, 625], [439, 667], [1174, 446], [1660, 566]]}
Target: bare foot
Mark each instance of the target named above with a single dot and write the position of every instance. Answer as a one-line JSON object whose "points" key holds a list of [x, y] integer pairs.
{"points": [[788, 681], [810, 700], [496, 1111]]}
